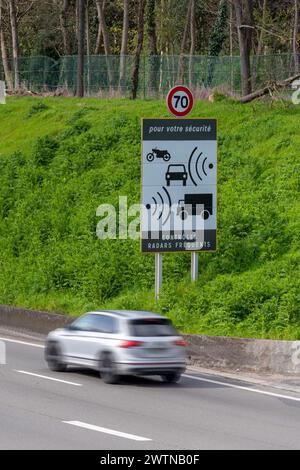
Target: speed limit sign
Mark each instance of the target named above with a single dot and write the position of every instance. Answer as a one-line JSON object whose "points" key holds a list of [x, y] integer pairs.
{"points": [[180, 101]]}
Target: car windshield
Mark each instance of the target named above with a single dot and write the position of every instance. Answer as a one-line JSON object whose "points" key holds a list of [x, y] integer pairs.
{"points": [[152, 327], [177, 168]]}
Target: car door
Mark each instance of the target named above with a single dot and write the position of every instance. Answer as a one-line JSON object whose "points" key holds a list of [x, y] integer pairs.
{"points": [[75, 338], [101, 337], [85, 339]]}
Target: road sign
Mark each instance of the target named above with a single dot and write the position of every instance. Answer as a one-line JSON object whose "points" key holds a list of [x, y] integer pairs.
{"points": [[179, 195], [180, 101]]}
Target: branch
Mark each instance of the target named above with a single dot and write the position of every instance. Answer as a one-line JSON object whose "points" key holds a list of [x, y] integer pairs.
{"points": [[268, 89], [24, 13], [285, 38]]}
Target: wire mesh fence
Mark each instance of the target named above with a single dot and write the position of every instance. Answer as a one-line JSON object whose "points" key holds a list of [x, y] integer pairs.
{"points": [[111, 75]]}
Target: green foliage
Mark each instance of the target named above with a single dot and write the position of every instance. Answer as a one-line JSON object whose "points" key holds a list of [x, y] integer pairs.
{"points": [[150, 17], [217, 38], [44, 150], [219, 31], [85, 153], [35, 109]]}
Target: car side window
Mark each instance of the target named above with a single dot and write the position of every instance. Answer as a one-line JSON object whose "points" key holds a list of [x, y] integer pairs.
{"points": [[84, 323], [106, 324], [97, 323]]}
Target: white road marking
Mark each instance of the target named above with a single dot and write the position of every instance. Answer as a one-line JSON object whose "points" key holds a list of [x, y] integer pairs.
{"points": [[241, 387], [35, 345], [48, 378], [92, 427]]}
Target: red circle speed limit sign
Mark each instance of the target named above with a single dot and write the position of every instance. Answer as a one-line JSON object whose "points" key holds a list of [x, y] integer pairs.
{"points": [[180, 101]]}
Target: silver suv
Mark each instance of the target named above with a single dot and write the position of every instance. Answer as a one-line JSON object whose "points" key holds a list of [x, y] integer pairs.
{"points": [[117, 343]]}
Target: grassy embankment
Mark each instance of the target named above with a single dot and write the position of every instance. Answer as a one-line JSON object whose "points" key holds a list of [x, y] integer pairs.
{"points": [[61, 158]]}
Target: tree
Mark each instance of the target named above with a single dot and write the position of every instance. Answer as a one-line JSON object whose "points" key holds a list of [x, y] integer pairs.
{"points": [[295, 35], [138, 49], [260, 43], [81, 40], [152, 40], [193, 42], [106, 44], [5, 62], [124, 46], [15, 42], [183, 44], [219, 32], [99, 32], [244, 13], [102, 23], [217, 38], [63, 16]]}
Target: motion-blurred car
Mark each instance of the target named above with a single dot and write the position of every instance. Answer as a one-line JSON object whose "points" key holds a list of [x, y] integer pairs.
{"points": [[119, 343]]}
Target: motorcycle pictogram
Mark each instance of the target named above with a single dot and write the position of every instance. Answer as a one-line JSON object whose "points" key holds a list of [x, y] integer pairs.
{"points": [[164, 154]]}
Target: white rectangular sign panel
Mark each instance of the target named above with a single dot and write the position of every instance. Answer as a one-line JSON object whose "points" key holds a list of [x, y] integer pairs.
{"points": [[179, 185]]}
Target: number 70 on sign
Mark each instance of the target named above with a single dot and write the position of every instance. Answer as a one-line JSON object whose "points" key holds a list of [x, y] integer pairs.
{"points": [[180, 101]]}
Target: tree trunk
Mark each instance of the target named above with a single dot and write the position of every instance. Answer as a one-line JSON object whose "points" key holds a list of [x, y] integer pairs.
{"points": [[262, 32], [152, 39], [15, 42], [138, 50], [269, 89], [88, 50], [6, 65], [63, 19], [295, 36], [80, 57], [102, 22], [183, 44], [193, 42], [124, 47], [231, 45], [259, 44], [243, 11], [99, 33], [217, 39]]}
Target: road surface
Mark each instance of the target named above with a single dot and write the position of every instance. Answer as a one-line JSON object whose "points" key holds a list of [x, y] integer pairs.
{"points": [[40, 409]]}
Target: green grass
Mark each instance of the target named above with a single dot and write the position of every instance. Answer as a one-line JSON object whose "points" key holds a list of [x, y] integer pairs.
{"points": [[61, 158]]}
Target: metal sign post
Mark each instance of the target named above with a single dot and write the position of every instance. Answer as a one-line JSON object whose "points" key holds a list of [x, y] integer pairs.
{"points": [[2, 92], [158, 274], [194, 266]]}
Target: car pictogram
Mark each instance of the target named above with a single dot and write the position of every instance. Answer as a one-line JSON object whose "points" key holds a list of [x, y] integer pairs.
{"points": [[176, 173]]}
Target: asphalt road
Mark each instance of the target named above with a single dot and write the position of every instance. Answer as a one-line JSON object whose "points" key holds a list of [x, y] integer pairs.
{"points": [[78, 411]]}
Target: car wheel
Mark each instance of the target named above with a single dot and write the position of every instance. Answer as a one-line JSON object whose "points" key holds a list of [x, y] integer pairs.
{"points": [[53, 358], [171, 377], [108, 370]]}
